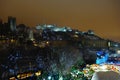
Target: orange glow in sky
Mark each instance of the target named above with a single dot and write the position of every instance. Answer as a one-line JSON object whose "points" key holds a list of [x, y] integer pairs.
{"points": [[102, 16]]}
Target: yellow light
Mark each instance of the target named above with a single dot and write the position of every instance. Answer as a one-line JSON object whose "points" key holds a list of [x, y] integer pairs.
{"points": [[76, 36], [29, 74], [12, 40], [103, 68], [18, 76], [47, 42], [21, 76], [38, 73], [118, 51], [12, 78], [35, 44]]}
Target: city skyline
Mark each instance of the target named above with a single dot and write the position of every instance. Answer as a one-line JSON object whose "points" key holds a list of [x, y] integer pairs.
{"points": [[100, 16]]}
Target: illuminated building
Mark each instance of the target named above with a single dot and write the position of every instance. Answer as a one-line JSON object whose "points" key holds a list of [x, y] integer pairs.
{"points": [[102, 57], [53, 28], [12, 23]]}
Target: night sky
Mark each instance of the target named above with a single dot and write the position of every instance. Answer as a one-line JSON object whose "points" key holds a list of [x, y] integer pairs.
{"points": [[102, 16]]}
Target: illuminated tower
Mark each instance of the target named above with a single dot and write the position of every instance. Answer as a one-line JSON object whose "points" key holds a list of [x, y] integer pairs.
{"points": [[12, 23], [31, 37]]}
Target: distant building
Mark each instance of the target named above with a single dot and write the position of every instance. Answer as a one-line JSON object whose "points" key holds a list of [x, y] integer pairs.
{"points": [[53, 28], [1, 25], [12, 23], [91, 32], [31, 36], [1, 21], [21, 28], [95, 43]]}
